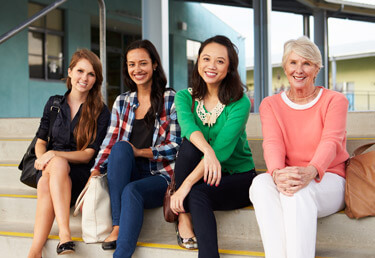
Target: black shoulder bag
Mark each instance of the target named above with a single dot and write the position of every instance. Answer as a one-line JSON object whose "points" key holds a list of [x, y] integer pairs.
{"points": [[28, 175]]}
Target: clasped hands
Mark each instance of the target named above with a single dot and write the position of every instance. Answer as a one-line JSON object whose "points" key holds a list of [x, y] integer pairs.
{"points": [[290, 180]]}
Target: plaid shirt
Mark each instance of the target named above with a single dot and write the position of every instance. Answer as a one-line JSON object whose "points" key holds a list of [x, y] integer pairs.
{"points": [[166, 138]]}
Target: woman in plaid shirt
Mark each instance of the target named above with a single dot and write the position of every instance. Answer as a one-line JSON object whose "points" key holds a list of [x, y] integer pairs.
{"points": [[140, 147]]}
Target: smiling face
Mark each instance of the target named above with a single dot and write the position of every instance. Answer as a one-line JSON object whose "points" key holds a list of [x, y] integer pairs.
{"points": [[140, 66], [213, 64], [82, 76], [300, 71]]}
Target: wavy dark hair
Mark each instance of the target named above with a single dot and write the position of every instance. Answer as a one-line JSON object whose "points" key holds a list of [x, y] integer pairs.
{"points": [[86, 129], [159, 80], [231, 88]]}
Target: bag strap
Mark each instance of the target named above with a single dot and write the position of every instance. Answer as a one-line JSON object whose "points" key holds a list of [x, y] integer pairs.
{"points": [[362, 148], [82, 195], [173, 182], [54, 110], [80, 199]]}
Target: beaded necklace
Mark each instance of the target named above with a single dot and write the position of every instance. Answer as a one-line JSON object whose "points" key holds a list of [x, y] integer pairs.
{"points": [[208, 118]]}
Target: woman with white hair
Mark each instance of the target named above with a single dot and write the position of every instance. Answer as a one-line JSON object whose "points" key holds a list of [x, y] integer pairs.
{"points": [[305, 152]]}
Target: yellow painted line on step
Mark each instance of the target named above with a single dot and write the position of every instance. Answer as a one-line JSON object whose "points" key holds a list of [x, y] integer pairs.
{"points": [[18, 196], [349, 138], [163, 246], [17, 234], [8, 165], [21, 234], [223, 251], [247, 253], [360, 138], [15, 140]]}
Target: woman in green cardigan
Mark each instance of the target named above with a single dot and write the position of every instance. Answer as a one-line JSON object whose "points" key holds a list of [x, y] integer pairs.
{"points": [[214, 168]]}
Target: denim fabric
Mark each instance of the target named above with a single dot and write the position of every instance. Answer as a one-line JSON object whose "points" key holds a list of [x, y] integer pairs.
{"points": [[132, 188]]}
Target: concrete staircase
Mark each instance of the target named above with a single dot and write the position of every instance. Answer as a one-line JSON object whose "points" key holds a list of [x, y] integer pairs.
{"points": [[338, 236]]}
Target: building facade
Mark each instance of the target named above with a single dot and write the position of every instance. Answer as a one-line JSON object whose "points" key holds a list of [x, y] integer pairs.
{"points": [[35, 60]]}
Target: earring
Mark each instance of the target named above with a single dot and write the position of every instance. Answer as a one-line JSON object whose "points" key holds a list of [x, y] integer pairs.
{"points": [[154, 69]]}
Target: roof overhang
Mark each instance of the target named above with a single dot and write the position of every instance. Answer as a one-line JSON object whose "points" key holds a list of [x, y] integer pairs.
{"points": [[335, 8]]}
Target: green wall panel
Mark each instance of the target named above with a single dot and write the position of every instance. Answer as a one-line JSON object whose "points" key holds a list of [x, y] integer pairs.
{"points": [[40, 91], [14, 92], [77, 31]]}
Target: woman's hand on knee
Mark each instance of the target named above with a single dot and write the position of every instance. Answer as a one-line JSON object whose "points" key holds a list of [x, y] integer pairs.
{"points": [[41, 163], [177, 199]]}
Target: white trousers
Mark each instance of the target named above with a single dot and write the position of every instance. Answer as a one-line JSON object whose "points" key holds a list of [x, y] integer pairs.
{"points": [[288, 224]]}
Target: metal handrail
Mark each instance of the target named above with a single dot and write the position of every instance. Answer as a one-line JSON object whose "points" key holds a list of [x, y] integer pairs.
{"points": [[103, 46], [33, 18], [102, 32]]}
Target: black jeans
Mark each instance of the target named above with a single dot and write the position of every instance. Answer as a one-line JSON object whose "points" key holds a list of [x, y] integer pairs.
{"points": [[203, 200]]}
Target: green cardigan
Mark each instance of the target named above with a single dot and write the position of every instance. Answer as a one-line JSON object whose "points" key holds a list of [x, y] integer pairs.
{"points": [[227, 136]]}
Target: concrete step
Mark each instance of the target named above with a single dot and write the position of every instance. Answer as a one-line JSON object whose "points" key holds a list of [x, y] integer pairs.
{"points": [[150, 245], [10, 180], [336, 229], [18, 127], [338, 236], [15, 240], [235, 224], [12, 150], [16, 134], [358, 124]]}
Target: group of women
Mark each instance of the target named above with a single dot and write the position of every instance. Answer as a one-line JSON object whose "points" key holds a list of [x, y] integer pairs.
{"points": [[199, 135]]}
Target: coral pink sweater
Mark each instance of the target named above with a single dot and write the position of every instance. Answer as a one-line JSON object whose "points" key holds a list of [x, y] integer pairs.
{"points": [[314, 135]]}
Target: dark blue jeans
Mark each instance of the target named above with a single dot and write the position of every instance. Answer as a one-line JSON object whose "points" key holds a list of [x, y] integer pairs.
{"points": [[132, 188]]}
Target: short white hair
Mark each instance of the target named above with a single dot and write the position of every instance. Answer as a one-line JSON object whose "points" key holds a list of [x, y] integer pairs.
{"points": [[303, 47]]}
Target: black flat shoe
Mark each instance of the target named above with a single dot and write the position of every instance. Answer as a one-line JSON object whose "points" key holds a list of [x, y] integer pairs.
{"points": [[109, 245], [65, 248]]}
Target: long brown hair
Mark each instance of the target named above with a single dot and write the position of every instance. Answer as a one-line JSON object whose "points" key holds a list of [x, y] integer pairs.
{"points": [[159, 80], [231, 88], [86, 129]]}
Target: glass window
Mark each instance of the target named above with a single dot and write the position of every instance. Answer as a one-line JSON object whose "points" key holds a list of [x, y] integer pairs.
{"points": [[46, 44], [33, 9], [192, 49], [55, 20], [116, 45], [36, 66], [35, 43]]}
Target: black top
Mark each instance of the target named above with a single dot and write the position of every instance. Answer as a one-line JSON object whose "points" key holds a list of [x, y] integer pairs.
{"points": [[62, 137], [141, 136]]}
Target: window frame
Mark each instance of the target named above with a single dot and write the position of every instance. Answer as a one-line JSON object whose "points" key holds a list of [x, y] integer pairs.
{"points": [[46, 31]]}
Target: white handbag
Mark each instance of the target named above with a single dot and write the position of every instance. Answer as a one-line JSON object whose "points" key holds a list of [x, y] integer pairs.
{"points": [[96, 210]]}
